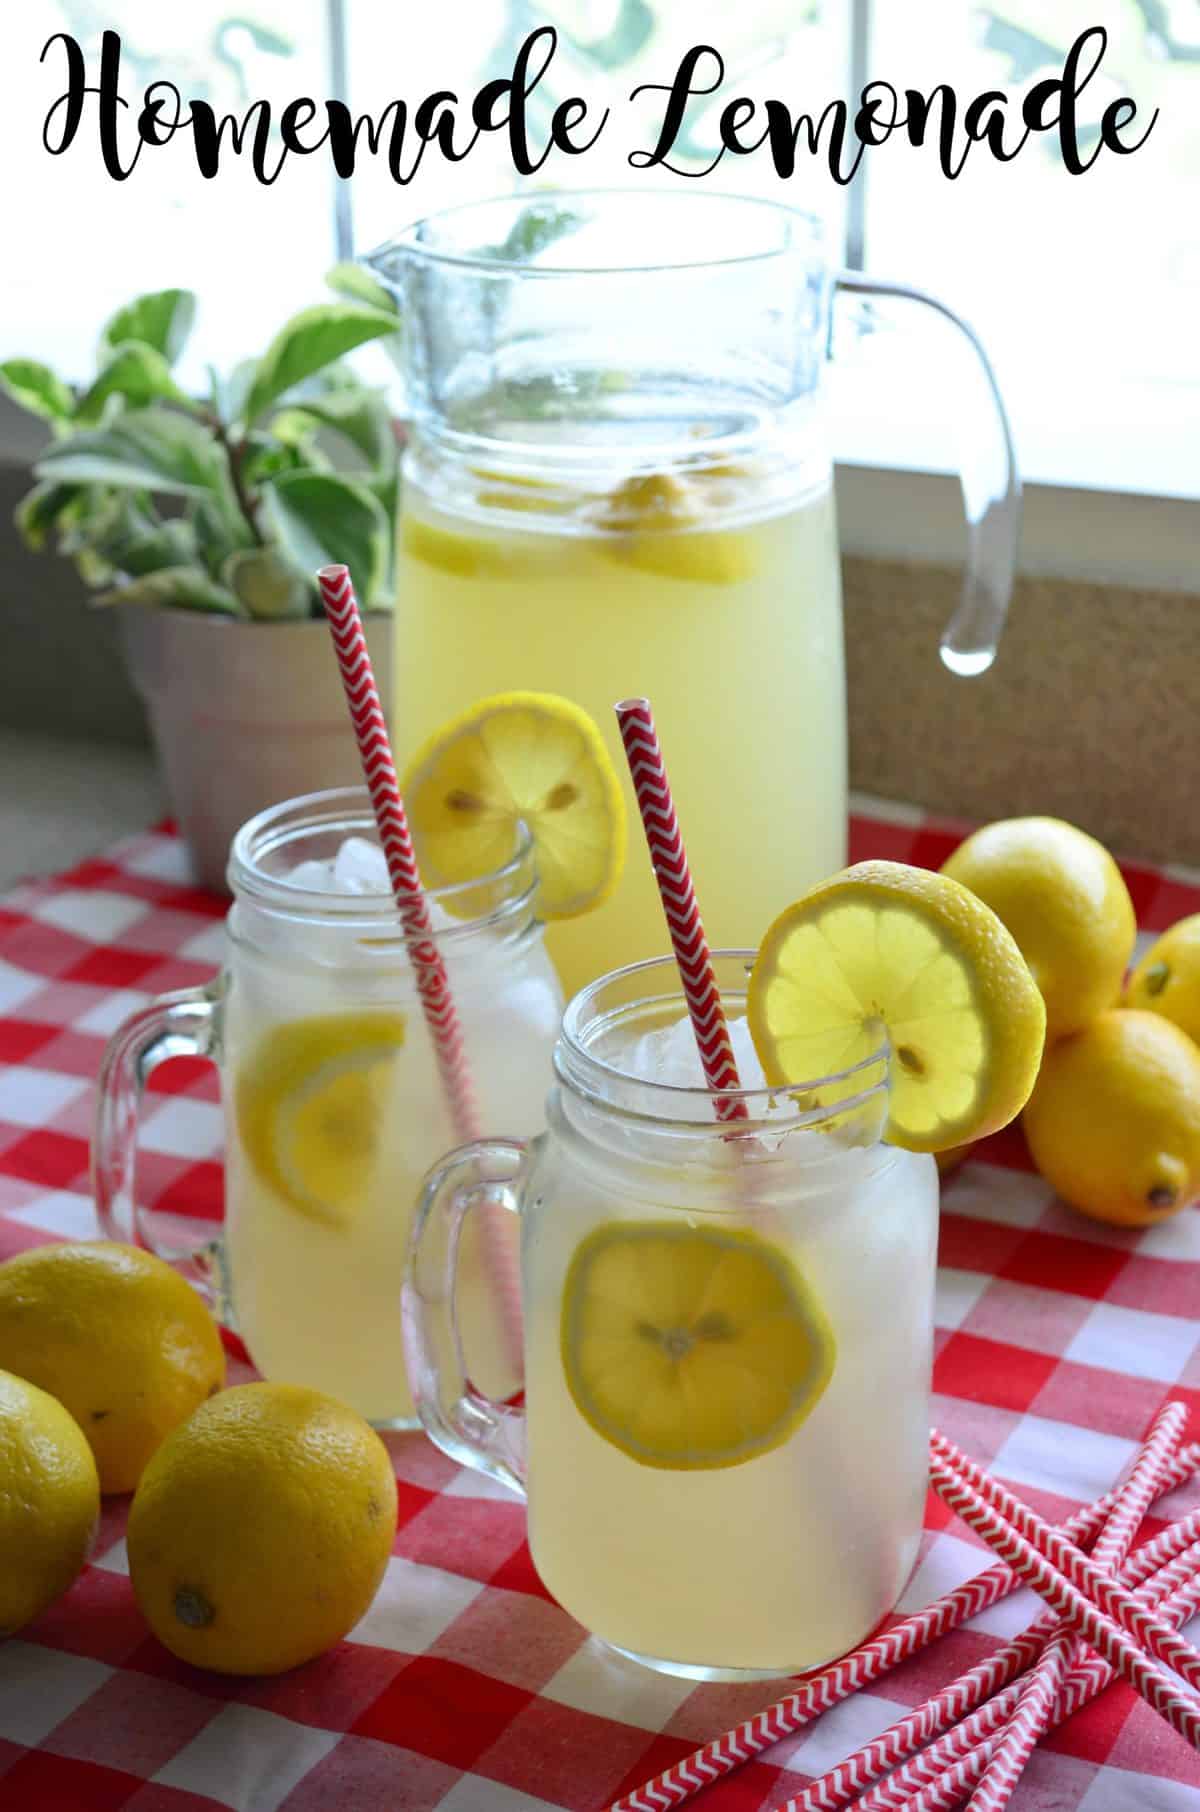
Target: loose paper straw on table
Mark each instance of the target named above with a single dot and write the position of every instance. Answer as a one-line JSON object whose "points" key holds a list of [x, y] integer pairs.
{"points": [[653, 792], [429, 971], [1061, 1565], [1084, 1683], [973, 1689], [1116, 1637], [1159, 1566], [1040, 1692], [860, 1669]]}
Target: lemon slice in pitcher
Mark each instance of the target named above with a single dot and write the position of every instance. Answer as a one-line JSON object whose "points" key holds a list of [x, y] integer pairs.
{"points": [[691, 1348], [310, 1103], [883, 944], [663, 525], [520, 757]]}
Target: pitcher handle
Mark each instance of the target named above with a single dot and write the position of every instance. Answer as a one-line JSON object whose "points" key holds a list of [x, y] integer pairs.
{"points": [[474, 1429], [991, 498], [183, 1024]]}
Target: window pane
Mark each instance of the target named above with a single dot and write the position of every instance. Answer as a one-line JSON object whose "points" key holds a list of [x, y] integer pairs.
{"points": [[606, 48], [1086, 289], [252, 254]]}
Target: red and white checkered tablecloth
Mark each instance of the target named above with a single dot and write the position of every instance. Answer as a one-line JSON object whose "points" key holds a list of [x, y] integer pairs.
{"points": [[465, 1688]]}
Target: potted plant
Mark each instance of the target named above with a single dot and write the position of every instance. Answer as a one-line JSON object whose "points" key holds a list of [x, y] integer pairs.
{"points": [[202, 520]]}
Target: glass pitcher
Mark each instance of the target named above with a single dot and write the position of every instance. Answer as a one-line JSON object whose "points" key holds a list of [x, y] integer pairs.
{"points": [[727, 1342], [616, 483]]}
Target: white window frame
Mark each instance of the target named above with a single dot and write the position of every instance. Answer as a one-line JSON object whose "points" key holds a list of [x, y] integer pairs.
{"points": [[1092, 536]]}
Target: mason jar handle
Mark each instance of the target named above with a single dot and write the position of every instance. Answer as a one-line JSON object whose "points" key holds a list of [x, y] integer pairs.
{"points": [[991, 498], [183, 1024], [472, 1428]]}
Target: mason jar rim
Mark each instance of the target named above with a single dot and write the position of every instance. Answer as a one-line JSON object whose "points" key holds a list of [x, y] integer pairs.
{"points": [[408, 242], [581, 1070], [349, 809]]}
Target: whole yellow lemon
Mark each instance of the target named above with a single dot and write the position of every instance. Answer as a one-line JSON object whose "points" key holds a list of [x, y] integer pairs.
{"points": [[1064, 900], [1167, 980], [261, 1529], [1114, 1119], [118, 1337], [49, 1501]]}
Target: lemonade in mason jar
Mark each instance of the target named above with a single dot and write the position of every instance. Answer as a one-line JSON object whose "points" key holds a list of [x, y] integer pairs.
{"points": [[335, 1098], [728, 1324], [334, 1105], [790, 1281]]}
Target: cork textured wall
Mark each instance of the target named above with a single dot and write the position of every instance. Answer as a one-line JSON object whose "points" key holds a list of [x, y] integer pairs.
{"points": [[1090, 711]]}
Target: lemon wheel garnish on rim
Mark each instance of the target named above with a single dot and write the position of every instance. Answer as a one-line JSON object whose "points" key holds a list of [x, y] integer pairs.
{"points": [[520, 757], [691, 1348], [882, 942], [310, 1102]]}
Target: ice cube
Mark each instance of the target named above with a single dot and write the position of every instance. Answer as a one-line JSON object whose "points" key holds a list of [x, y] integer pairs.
{"points": [[669, 1055], [316, 876], [749, 1069], [360, 867]]}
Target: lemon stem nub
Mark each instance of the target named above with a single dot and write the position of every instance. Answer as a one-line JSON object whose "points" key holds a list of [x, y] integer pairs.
{"points": [[193, 1608], [462, 801]]}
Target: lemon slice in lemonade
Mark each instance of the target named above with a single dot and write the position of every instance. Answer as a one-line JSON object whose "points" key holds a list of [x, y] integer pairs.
{"points": [[310, 1103], [663, 525], [691, 1348], [883, 942], [520, 757]]}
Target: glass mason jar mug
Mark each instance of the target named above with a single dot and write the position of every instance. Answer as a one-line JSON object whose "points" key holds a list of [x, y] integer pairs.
{"points": [[333, 1102], [728, 1338], [617, 480]]}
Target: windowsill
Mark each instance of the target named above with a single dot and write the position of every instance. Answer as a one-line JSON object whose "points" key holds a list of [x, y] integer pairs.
{"points": [[1102, 537], [64, 800]]}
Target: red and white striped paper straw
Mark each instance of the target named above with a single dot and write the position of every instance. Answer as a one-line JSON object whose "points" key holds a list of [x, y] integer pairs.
{"points": [[379, 771], [860, 1669], [1061, 1564], [1158, 1566], [970, 1696], [669, 858], [1114, 1633], [1083, 1684], [429, 971], [1040, 1692]]}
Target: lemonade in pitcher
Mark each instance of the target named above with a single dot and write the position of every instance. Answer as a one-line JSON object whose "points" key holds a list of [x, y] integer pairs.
{"points": [[617, 481], [734, 588]]}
